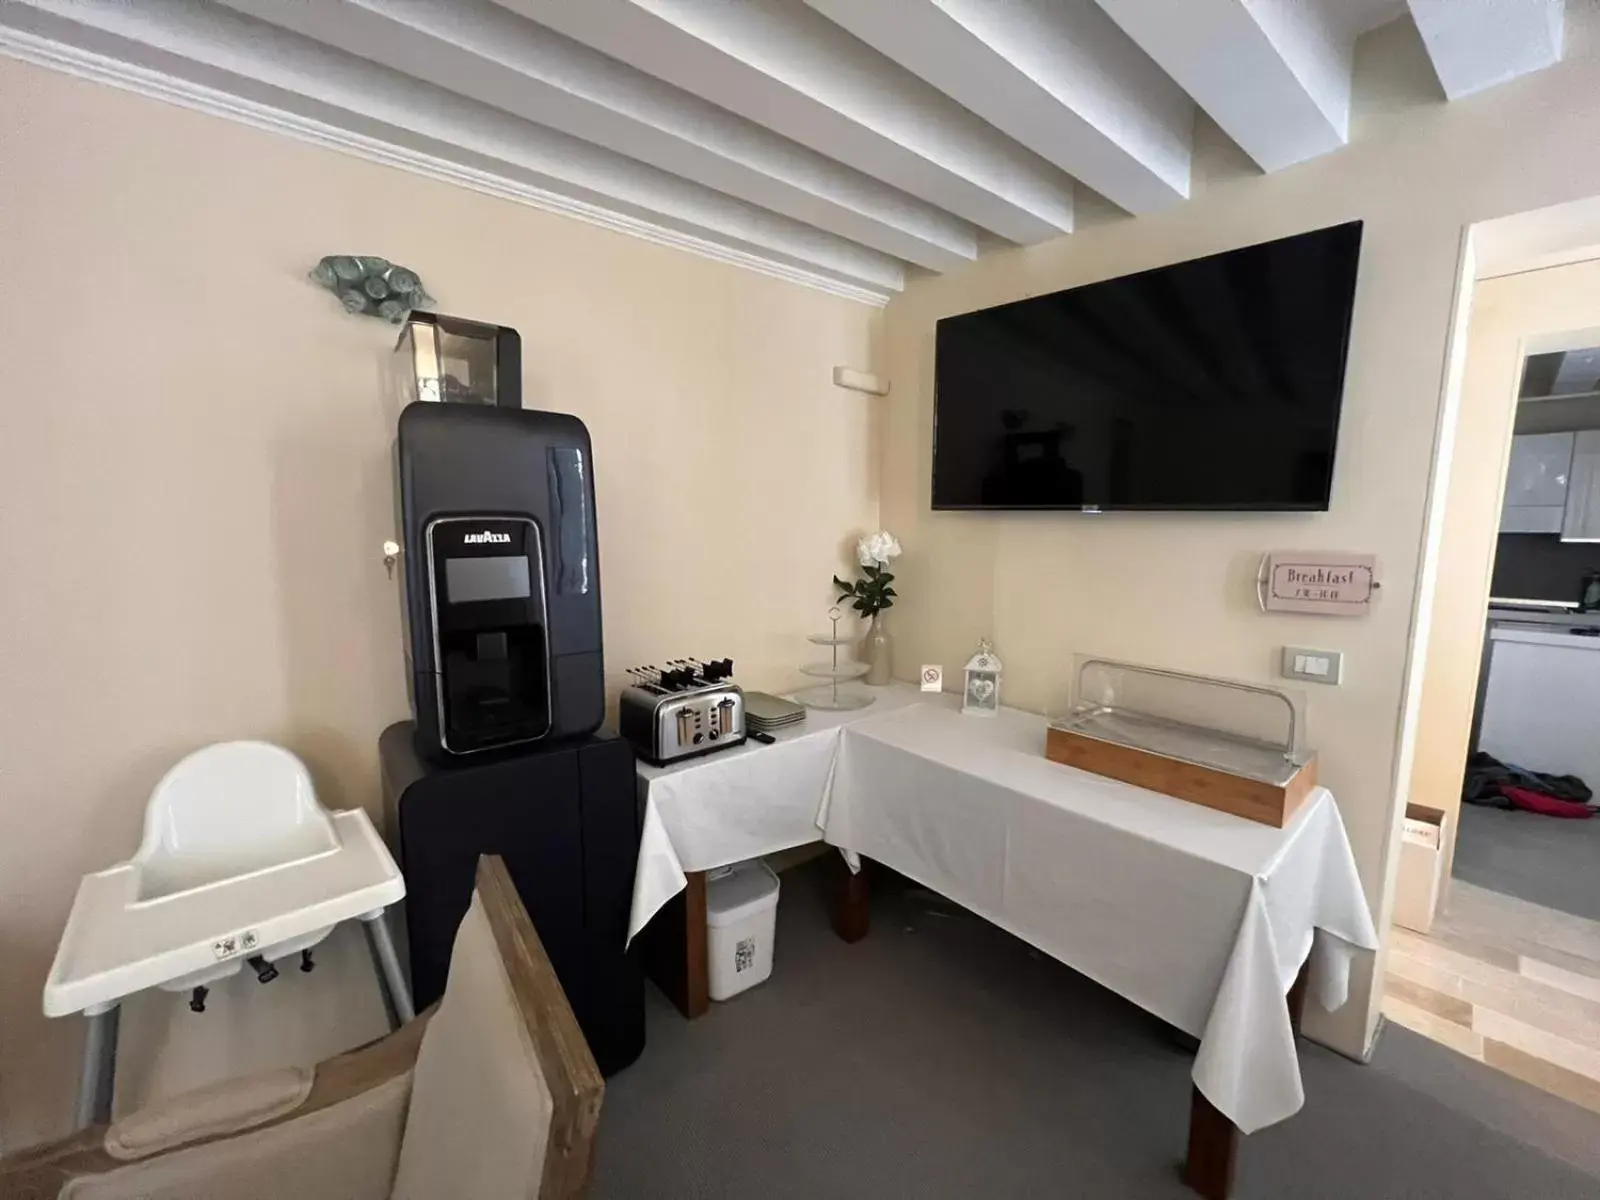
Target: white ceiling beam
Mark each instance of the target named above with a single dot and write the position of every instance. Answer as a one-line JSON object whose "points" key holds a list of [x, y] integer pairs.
{"points": [[486, 53], [346, 92], [1274, 74], [1362, 16], [1059, 76], [1476, 44], [789, 68]]}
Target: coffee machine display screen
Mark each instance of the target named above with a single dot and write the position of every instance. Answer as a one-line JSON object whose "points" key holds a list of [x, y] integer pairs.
{"points": [[468, 580]]}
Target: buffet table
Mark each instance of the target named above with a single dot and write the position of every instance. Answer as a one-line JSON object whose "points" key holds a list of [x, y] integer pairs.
{"points": [[737, 804], [714, 811], [1198, 917], [1201, 918]]}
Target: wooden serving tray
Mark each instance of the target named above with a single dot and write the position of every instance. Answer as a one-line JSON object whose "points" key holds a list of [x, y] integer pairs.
{"points": [[1270, 803]]}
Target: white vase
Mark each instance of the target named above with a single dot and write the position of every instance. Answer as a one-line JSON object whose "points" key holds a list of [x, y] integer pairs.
{"points": [[877, 650]]}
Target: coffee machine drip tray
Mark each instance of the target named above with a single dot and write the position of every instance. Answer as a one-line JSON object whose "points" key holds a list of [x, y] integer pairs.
{"points": [[494, 686]]}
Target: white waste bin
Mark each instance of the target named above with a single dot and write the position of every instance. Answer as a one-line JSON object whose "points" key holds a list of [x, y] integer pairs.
{"points": [[741, 924], [1421, 875]]}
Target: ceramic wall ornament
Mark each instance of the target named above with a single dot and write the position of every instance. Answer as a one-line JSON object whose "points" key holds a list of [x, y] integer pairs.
{"points": [[980, 696], [369, 286]]}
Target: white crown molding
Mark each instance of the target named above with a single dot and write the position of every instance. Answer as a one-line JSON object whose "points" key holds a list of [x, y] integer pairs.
{"points": [[158, 85]]}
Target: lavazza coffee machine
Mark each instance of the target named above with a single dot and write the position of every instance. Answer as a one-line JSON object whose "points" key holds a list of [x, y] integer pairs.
{"points": [[504, 755], [502, 583]]}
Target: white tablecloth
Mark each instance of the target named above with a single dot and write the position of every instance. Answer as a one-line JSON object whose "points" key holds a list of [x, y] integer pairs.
{"points": [[1199, 917], [738, 804]]}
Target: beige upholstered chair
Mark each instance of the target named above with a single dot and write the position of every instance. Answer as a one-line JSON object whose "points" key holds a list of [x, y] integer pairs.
{"points": [[492, 1094]]}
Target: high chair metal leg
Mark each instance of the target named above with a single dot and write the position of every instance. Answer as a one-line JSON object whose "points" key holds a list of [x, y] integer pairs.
{"points": [[98, 1081], [391, 979]]}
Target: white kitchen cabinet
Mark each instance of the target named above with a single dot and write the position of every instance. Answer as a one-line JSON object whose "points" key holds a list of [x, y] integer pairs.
{"points": [[1536, 483], [1532, 518], [1580, 521], [1541, 701]]}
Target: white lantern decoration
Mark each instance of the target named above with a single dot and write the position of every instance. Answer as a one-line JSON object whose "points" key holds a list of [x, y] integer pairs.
{"points": [[980, 697]]}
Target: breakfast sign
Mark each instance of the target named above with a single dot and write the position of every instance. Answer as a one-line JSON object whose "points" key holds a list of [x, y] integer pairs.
{"points": [[1317, 581]]}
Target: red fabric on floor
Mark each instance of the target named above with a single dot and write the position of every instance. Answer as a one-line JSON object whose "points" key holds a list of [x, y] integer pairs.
{"points": [[1549, 806]]}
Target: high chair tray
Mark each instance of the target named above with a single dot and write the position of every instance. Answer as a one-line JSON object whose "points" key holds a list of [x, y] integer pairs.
{"points": [[116, 944]]}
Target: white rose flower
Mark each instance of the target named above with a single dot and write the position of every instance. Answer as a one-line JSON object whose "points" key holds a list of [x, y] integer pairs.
{"points": [[876, 549]]}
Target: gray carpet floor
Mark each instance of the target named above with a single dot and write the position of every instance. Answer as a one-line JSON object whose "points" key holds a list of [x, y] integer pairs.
{"points": [[941, 1058], [1539, 859]]}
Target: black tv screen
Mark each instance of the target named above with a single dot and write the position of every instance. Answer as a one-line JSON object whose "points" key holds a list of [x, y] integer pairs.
{"points": [[1211, 384]]}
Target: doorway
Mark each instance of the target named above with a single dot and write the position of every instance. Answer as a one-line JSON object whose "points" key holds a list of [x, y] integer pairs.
{"points": [[1498, 957]]}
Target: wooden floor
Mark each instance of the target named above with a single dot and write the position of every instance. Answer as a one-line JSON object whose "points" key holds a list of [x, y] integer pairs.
{"points": [[1512, 984]]}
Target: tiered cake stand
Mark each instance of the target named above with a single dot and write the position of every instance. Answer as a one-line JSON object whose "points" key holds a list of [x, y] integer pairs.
{"points": [[836, 694]]}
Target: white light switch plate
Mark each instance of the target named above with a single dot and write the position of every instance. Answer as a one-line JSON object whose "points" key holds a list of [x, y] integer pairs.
{"points": [[1313, 666]]}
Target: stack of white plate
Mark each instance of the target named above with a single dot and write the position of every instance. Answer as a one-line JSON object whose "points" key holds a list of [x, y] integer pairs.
{"points": [[765, 713]]}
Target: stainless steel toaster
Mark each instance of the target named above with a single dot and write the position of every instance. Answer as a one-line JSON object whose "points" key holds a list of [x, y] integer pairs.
{"points": [[682, 710]]}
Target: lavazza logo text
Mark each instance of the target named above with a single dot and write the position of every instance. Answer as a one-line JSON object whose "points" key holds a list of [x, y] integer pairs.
{"points": [[480, 539]]}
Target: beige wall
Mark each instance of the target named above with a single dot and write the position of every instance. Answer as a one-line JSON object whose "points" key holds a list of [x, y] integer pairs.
{"points": [[194, 470], [1506, 313], [1178, 590]]}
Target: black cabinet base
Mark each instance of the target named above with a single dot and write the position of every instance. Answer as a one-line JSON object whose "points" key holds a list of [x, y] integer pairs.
{"points": [[565, 819]]}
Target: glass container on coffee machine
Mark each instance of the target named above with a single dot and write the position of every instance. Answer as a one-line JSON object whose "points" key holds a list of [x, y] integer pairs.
{"points": [[450, 360]]}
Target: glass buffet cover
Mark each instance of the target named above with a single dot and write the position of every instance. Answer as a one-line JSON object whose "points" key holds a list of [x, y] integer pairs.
{"points": [[1245, 729]]}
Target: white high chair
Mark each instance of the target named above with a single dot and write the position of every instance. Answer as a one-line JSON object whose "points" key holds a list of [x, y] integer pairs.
{"points": [[238, 862]]}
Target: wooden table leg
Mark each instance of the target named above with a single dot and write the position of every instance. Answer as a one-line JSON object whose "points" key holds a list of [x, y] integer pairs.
{"points": [[1213, 1149], [1296, 997], [676, 955], [697, 954], [1213, 1139], [852, 908]]}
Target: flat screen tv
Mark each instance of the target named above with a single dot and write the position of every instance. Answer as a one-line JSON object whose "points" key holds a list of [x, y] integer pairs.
{"points": [[1211, 384]]}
